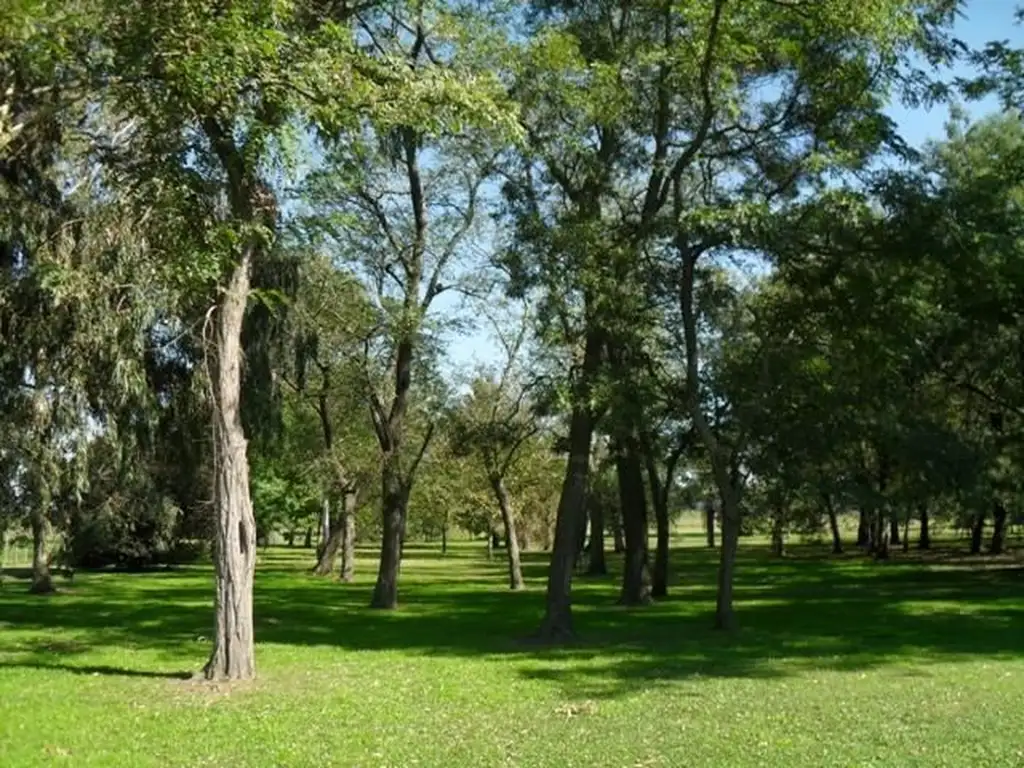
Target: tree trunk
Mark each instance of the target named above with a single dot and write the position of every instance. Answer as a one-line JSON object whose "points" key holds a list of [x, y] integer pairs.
{"points": [[998, 528], [444, 536], [308, 543], [515, 569], [636, 577], [778, 534], [659, 498], [833, 524], [597, 565], [329, 551], [881, 535], [618, 536], [348, 537], [725, 618], [906, 530], [325, 523], [977, 533], [924, 540], [709, 524], [894, 531], [42, 582], [233, 656], [864, 529], [395, 499], [571, 516]]}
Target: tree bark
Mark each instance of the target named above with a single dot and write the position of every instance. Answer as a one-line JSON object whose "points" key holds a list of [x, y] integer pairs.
{"points": [[998, 528], [833, 524], [571, 516], [395, 500], [924, 539], [597, 565], [233, 656], [515, 569], [42, 581], [636, 577], [709, 524], [348, 536], [977, 533]]}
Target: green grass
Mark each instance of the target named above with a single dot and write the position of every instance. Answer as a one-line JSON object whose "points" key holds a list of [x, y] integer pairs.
{"points": [[839, 662]]}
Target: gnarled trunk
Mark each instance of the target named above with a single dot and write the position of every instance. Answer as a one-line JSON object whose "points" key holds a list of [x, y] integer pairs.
{"points": [[42, 581], [636, 578], [515, 569], [394, 503], [571, 516], [233, 656]]}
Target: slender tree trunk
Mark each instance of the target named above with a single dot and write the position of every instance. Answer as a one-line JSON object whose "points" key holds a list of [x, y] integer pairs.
{"points": [[659, 499], [881, 536], [308, 541], [833, 524], [636, 577], [709, 524], [325, 522], [977, 532], [924, 540], [906, 530], [571, 516], [515, 568], [42, 581], [444, 537], [998, 528], [233, 656], [618, 535], [395, 499], [597, 565], [490, 546], [348, 536]]}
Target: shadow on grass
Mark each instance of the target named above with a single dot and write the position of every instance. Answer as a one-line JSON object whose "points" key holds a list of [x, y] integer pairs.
{"points": [[801, 612]]}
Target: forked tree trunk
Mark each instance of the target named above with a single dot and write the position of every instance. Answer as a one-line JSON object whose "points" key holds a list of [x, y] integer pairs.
{"points": [[636, 577], [233, 656], [572, 514], [924, 540], [833, 524], [709, 524], [348, 537], [998, 528], [977, 533], [515, 568], [597, 565], [395, 499], [42, 581]]}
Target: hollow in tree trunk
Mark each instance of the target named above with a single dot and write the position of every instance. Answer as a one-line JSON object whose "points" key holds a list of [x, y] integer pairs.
{"points": [[924, 537], [998, 528], [709, 524], [636, 577], [833, 524], [572, 514], [597, 565], [515, 569], [233, 656], [348, 536], [42, 582], [977, 533], [395, 499]]}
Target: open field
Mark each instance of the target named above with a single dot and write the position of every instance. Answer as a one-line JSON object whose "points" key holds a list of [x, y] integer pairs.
{"points": [[839, 662]]}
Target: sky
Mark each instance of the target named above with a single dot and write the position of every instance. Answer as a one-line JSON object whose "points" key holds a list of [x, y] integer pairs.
{"points": [[981, 21]]}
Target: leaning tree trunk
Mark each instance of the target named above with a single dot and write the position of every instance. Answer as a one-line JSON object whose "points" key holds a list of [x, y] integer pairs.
{"points": [[636, 577], [833, 524], [571, 516], [348, 537], [42, 582], [924, 540], [597, 565], [233, 656], [977, 533], [998, 528], [515, 568], [395, 499]]}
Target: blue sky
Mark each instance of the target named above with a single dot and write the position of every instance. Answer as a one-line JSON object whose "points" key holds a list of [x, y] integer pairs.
{"points": [[981, 22]]}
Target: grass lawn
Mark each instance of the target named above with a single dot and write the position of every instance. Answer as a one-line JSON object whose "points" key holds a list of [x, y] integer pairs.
{"points": [[839, 662]]}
